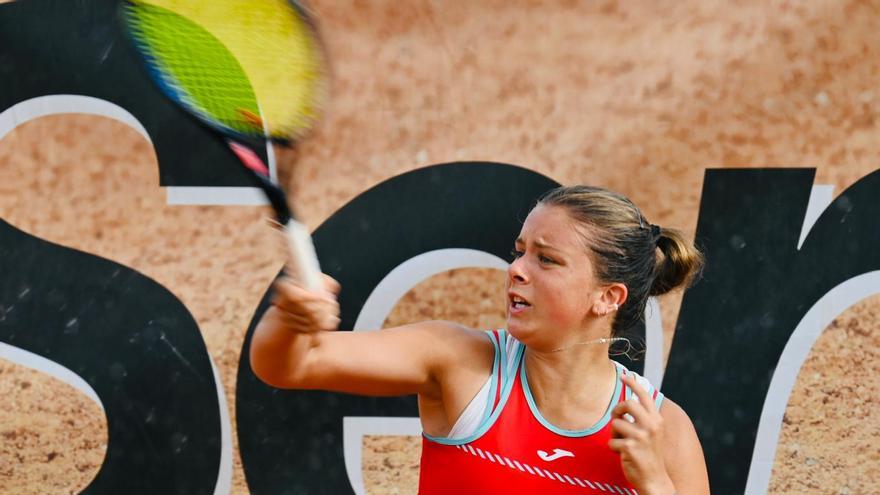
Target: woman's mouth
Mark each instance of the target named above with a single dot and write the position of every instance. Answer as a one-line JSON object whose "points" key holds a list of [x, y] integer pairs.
{"points": [[518, 304]]}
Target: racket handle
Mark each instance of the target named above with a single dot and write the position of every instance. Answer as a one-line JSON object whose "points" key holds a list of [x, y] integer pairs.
{"points": [[303, 256]]}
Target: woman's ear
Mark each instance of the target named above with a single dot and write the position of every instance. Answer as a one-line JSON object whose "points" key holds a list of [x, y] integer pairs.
{"points": [[611, 299], [617, 294]]}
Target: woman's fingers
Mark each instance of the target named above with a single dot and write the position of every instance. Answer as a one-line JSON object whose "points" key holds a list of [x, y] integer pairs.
{"points": [[287, 292], [632, 408], [331, 284], [620, 445], [644, 397], [631, 436], [625, 445], [305, 310], [286, 289], [621, 428], [637, 435], [293, 320], [304, 319], [637, 417]]}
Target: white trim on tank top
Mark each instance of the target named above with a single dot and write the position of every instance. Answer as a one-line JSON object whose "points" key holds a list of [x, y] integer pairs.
{"points": [[479, 408]]}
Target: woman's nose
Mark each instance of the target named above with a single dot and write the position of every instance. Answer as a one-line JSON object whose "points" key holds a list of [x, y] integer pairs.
{"points": [[515, 271]]}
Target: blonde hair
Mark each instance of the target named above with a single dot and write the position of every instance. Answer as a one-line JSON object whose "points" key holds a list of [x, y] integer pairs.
{"points": [[626, 248]]}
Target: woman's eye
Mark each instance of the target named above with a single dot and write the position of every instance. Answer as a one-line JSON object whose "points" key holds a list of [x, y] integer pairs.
{"points": [[545, 260], [514, 254]]}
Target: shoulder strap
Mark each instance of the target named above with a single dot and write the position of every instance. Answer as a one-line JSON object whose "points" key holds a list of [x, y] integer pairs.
{"points": [[500, 370], [655, 394]]}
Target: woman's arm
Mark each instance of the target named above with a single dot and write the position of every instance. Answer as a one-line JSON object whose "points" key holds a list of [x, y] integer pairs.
{"points": [[295, 346], [682, 451], [659, 450]]}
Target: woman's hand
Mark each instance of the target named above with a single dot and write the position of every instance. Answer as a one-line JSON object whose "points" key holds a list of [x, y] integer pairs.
{"points": [[640, 442], [305, 311]]}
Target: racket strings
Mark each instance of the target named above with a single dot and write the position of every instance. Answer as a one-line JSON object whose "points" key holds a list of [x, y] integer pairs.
{"points": [[244, 66], [199, 73]]}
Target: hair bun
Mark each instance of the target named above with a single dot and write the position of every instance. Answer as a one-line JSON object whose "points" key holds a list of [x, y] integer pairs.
{"points": [[679, 265]]}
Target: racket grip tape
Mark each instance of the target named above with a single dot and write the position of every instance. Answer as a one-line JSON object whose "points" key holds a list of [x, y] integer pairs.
{"points": [[303, 255]]}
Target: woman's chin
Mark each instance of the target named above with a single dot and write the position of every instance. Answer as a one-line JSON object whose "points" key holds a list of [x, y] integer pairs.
{"points": [[517, 330]]}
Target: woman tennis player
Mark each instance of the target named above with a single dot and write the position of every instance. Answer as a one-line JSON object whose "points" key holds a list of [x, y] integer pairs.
{"points": [[537, 407]]}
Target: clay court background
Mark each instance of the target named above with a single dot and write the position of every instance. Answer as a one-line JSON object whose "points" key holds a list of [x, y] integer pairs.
{"points": [[640, 97]]}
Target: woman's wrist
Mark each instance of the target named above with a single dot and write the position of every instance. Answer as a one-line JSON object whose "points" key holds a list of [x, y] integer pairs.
{"points": [[660, 487]]}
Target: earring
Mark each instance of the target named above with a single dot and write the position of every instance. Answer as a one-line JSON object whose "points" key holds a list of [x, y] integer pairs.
{"points": [[614, 307]]}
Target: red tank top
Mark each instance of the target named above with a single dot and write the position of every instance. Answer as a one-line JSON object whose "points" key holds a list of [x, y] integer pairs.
{"points": [[516, 451]]}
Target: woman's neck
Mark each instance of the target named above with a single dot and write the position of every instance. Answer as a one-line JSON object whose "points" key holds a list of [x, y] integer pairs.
{"points": [[573, 386]]}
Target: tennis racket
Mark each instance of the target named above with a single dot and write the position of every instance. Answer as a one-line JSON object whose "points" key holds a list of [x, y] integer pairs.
{"points": [[248, 69]]}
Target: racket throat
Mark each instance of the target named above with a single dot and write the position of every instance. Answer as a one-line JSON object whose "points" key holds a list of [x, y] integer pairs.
{"points": [[303, 257], [255, 164], [248, 158]]}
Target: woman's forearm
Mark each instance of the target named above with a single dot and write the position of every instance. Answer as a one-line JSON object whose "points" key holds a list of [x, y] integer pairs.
{"points": [[279, 353]]}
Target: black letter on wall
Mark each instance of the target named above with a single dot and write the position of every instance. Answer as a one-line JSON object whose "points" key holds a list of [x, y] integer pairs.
{"points": [[756, 287], [135, 344]]}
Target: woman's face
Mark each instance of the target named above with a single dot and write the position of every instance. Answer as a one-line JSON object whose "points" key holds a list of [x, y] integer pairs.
{"points": [[551, 282]]}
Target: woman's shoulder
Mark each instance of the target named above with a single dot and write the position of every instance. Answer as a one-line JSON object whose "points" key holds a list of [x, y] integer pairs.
{"points": [[474, 348], [442, 329], [460, 341], [497, 338]]}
